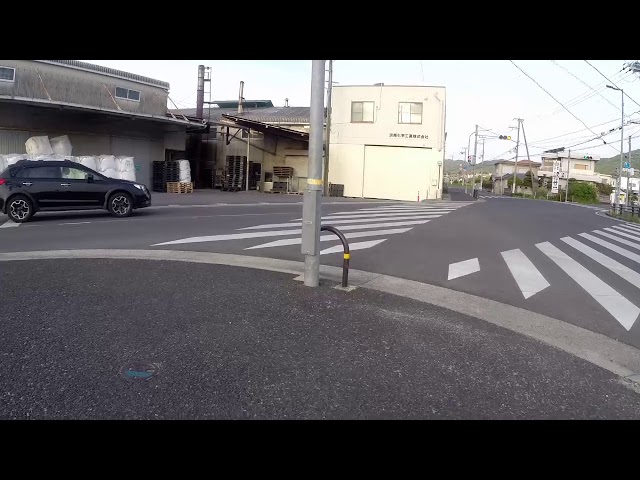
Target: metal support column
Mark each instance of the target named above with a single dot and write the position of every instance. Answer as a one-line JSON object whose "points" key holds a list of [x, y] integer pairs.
{"points": [[312, 200]]}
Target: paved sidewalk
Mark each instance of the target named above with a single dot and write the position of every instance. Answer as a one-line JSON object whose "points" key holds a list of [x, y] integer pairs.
{"points": [[156, 339]]}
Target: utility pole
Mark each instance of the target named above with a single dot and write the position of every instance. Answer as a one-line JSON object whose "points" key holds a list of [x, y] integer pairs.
{"points": [[621, 144], [481, 177], [312, 199], [326, 142], [566, 192], [475, 151], [464, 170], [628, 196], [515, 168], [533, 184]]}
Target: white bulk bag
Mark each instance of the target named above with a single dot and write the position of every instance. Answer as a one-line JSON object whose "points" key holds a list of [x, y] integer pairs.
{"points": [[38, 146], [125, 164], [184, 171], [89, 162], [110, 172], [106, 162], [37, 158], [128, 175], [3, 163], [14, 157], [61, 145]]}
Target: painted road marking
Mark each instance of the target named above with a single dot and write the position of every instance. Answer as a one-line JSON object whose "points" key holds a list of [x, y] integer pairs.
{"points": [[529, 279], [10, 224], [74, 223], [377, 215], [615, 248], [329, 237], [621, 270], [357, 220], [241, 236], [618, 306], [635, 236], [617, 239], [625, 229], [460, 269], [352, 246]]}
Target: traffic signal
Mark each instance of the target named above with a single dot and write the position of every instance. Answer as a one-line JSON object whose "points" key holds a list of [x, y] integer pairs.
{"points": [[505, 137], [587, 157]]}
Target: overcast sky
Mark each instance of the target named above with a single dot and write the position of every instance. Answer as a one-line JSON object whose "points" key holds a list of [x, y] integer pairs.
{"points": [[489, 93]]}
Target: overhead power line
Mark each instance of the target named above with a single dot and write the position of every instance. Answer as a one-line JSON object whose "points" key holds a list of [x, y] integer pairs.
{"points": [[587, 85], [558, 101], [610, 81]]}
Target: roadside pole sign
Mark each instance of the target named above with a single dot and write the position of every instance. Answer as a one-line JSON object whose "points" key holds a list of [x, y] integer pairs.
{"points": [[556, 177], [627, 164]]}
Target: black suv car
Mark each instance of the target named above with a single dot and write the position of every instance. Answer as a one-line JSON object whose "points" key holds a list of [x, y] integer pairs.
{"points": [[29, 186]]}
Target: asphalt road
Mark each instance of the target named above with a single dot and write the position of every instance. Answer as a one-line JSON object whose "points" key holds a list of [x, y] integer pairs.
{"points": [[113, 339], [497, 239]]}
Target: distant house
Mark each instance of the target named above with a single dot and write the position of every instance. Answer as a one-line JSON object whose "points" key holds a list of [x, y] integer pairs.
{"points": [[577, 166], [504, 171]]}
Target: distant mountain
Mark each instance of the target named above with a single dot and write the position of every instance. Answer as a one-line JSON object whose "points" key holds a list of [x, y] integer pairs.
{"points": [[453, 166], [608, 165]]}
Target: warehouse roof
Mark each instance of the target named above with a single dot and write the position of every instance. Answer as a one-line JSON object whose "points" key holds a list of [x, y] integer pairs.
{"points": [[111, 72], [268, 128], [287, 115]]}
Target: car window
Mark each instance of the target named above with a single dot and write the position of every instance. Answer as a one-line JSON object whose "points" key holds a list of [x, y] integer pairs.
{"points": [[78, 174], [40, 172]]}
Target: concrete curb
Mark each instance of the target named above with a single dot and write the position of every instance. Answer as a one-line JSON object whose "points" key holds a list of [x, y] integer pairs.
{"points": [[612, 355]]}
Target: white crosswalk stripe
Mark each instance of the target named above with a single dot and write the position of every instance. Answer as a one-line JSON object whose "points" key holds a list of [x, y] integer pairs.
{"points": [[366, 222], [582, 264], [626, 229], [526, 275], [618, 306]]}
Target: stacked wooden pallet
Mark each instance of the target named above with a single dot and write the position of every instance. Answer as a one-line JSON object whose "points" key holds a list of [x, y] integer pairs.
{"points": [[179, 187], [236, 169]]}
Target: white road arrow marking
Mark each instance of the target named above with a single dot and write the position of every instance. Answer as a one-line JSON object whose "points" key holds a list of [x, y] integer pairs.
{"points": [[618, 306], [460, 269], [329, 237], [529, 279], [352, 247]]}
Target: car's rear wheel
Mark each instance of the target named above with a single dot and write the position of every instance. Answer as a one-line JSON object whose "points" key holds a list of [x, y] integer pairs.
{"points": [[20, 209], [120, 204]]}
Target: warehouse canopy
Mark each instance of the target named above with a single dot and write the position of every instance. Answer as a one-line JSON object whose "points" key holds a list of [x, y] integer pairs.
{"points": [[265, 128]]}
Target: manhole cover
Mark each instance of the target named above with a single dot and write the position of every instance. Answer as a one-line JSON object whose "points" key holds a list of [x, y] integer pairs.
{"points": [[139, 370]]}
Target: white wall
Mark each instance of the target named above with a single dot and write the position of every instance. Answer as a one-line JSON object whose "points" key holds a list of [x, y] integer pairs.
{"points": [[348, 140]]}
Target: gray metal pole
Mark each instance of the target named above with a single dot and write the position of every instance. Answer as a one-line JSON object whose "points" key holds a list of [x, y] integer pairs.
{"points": [[621, 151], [481, 182], [524, 136], [629, 173], [475, 158], [464, 170], [313, 196], [328, 131], [515, 167], [566, 192], [200, 93], [248, 149]]}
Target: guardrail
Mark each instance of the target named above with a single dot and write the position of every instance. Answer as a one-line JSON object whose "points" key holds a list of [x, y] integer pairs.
{"points": [[346, 255], [621, 208]]}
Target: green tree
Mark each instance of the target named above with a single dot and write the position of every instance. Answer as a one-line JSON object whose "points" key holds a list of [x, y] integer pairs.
{"points": [[527, 180], [604, 188], [519, 182], [583, 192]]}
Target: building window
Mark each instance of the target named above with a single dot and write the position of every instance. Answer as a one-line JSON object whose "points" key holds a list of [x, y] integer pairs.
{"points": [[127, 94], [362, 112], [253, 134], [7, 74], [580, 166], [410, 112]]}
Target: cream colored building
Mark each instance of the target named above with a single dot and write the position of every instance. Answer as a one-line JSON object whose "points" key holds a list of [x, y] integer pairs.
{"points": [[579, 166], [387, 141], [503, 172]]}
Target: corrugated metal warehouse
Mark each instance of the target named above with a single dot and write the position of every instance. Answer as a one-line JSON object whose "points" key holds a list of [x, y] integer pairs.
{"points": [[102, 110]]}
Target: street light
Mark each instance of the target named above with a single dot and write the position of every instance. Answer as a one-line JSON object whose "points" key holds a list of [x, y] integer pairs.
{"points": [[621, 144]]}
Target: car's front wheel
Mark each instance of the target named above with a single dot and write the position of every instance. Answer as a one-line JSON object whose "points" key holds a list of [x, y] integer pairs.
{"points": [[120, 204], [20, 209]]}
